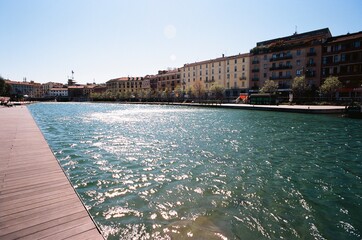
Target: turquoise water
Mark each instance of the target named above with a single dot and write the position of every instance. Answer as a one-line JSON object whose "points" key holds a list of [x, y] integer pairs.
{"points": [[162, 172]]}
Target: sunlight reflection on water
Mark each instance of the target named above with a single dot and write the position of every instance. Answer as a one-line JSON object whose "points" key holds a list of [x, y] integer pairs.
{"points": [[162, 172]]}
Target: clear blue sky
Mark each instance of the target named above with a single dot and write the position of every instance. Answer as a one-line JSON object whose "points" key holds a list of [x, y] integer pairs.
{"points": [[44, 40]]}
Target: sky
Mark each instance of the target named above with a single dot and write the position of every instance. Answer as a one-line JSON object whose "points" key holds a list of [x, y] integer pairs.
{"points": [[45, 40]]}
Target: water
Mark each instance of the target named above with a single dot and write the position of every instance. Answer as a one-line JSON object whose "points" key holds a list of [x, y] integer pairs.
{"points": [[161, 172]]}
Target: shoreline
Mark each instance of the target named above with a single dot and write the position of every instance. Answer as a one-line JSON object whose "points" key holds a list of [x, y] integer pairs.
{"points": [[310, 109]]}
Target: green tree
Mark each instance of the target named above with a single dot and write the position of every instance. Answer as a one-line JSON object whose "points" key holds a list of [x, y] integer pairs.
{"points": [[4, 88], [218, 91], [330, 86], [300, 87], [269, 87], [198, 89]]}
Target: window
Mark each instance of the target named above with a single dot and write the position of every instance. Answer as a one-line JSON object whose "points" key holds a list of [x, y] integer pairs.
{"points": [[207, 78], [265, 57], [299, 72], [212, 64], [200, 72], [235, 68], [288, 73], [207, 72], [227, 69], [219, 64], [235, 75], [243, 84], [228, 76], [264, 75], [212, 71], [336, 58], [324, 60], [243, 67], [227, 62], [357, 44], [343, 57], [298, 62], [243, 59], [236, 61], [299, 52], [311, 50], [219, 70]]}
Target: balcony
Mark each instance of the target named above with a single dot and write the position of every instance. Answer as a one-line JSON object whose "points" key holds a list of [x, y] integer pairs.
{"points": [[255, 79], [255, 70], [280, 67], [243, 78], [284, 57], [255, 62], [310, 54], [280, 77]]}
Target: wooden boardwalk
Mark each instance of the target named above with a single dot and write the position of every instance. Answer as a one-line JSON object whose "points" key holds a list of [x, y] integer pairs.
{"points": [[36, 199]]}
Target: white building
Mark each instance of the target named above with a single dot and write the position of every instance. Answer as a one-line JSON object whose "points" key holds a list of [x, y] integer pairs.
{"points": [[58, 92]]}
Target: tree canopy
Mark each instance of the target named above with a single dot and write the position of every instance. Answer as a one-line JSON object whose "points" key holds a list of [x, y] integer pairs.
{"points": [[269, 87], [330, 85], [4, 88]]}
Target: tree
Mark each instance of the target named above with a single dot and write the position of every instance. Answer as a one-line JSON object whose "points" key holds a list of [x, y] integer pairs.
{"points": [[300, 86], [218, 91], [330, 86], [4, 88], [269, 87], [198, 89]]}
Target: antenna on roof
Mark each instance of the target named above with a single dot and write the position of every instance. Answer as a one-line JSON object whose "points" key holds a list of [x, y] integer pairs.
{"points": [[296, 30]]}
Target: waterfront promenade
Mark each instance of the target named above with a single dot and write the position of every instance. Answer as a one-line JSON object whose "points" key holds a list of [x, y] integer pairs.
{"points": [[36, 198], [277, 108]]}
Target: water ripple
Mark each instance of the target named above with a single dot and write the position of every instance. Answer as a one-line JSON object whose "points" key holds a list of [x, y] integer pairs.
{"points": [[164, 172]]}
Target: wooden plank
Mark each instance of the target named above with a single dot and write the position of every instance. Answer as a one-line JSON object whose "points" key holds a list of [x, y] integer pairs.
{"points": [[36, 198]]}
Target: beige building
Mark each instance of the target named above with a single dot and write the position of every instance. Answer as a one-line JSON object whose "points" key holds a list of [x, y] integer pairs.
{"points": [[231, 72], [121, 85]]}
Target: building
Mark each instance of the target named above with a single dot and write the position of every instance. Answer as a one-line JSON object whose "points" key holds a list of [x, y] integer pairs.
{"points": [[283, 59], [76, 93], [342, 57], [168, 80], [231, 72], [125, 85], [25, 89], [49, 85], [58, 92]]}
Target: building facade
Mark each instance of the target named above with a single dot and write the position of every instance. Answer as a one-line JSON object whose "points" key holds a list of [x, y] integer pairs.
{"points": [[342, 57], [168, 80], [58, 92], [230, 72], [125, 85], [22, 89], [283, 59]]}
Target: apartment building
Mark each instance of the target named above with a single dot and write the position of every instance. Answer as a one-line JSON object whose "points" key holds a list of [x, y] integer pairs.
{"points": [[342, 57], [231, 72], [48, 86], [58, 92], [30, 89], [283, 59], [125, 85], [168, 80]]}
